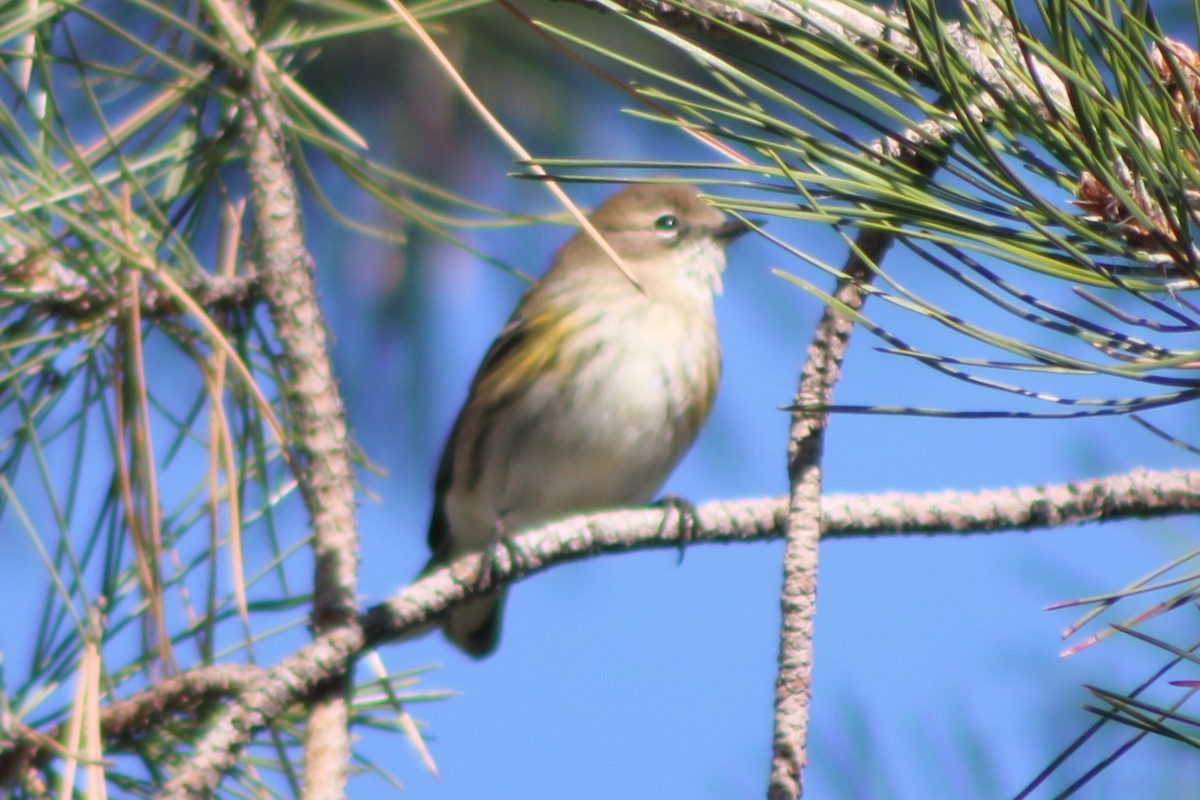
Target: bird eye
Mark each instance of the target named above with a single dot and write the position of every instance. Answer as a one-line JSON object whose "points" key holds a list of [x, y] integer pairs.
{"points": [[666, 223]]}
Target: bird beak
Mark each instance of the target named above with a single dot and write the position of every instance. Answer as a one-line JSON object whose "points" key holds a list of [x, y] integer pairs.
{"points": [[733, 228]]}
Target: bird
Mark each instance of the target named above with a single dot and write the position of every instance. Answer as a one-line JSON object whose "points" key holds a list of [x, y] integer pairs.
{"points": [[591, 392]]}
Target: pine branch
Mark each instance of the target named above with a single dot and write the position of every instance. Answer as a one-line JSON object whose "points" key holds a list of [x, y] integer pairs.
{"points": [[821, 371], [70, 301], [884, 34], [1139, 494], [185, 694], [317, 415]]}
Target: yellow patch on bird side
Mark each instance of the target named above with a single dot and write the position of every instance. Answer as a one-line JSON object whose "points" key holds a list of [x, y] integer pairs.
{"points": [[529, 352]]}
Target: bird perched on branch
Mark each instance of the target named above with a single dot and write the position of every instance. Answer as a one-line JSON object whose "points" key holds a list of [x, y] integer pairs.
{"points": [[593, 390]]}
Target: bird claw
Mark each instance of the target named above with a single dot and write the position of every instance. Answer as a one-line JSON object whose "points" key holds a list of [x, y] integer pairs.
{"points": [[686, 521], [498, 542]]}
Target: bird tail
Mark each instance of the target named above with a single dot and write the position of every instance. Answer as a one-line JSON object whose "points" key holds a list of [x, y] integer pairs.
{"points": [[474, 626]]}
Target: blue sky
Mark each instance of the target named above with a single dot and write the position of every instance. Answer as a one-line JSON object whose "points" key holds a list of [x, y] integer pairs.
{"points": [[937, 672]]}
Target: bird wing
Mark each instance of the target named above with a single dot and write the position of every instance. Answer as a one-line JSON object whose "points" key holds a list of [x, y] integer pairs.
{"points": [[526, 347]]}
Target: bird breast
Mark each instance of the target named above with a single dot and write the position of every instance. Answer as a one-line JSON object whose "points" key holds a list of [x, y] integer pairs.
{"points": [[604, 427]]}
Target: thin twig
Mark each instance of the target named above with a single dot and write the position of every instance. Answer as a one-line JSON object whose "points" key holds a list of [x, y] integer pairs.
{"points": [[820, 374]]}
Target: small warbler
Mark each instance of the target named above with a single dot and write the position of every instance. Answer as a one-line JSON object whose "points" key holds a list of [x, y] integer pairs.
{"points": [[592, 391]]}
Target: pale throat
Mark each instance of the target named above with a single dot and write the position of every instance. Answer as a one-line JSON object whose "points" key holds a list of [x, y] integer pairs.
{"points": [[695, 270]]}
